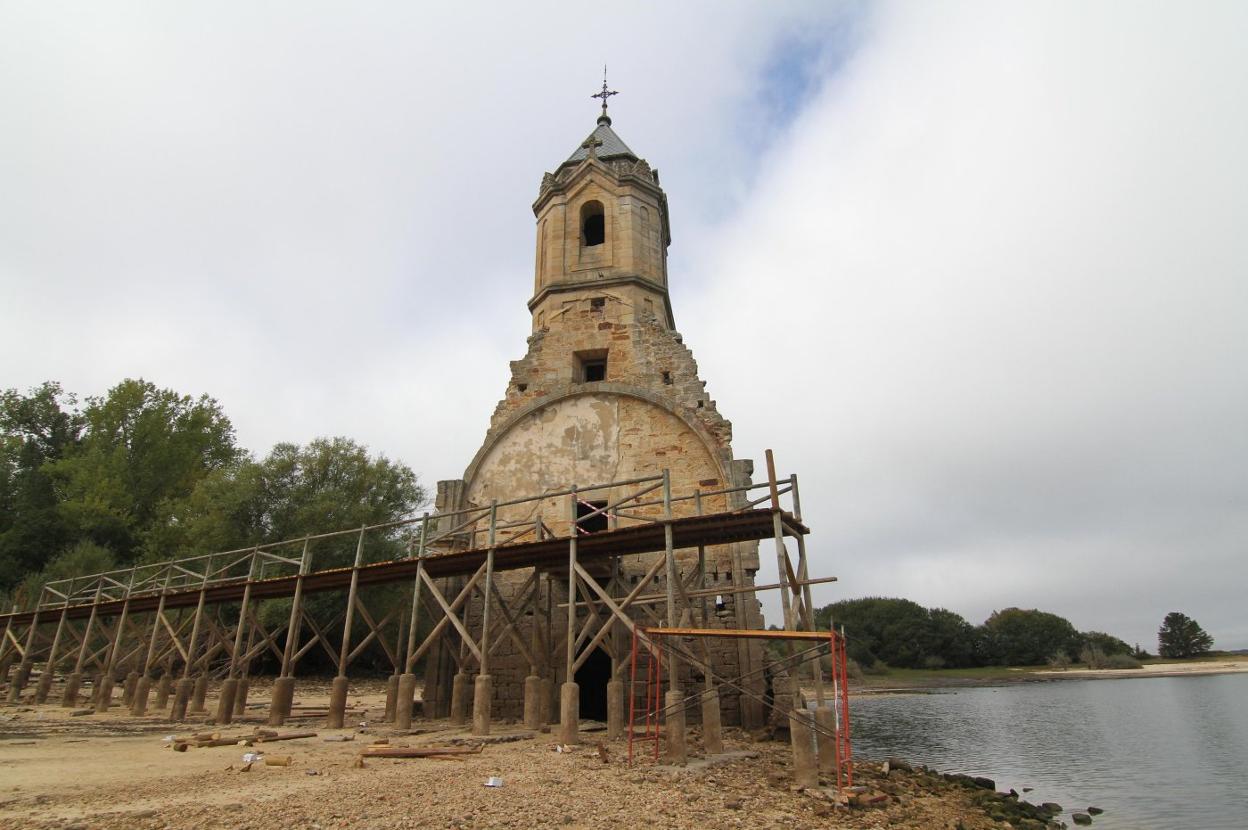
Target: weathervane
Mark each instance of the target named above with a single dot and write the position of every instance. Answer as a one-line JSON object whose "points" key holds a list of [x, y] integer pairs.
{"points": [[606, 93]]}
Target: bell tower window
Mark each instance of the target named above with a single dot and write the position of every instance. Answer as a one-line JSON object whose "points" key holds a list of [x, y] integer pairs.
{"points": [[593, 224], [590, 366]]}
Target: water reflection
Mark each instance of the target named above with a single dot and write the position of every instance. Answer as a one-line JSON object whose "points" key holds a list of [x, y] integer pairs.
{"points": [[1154, 752]]}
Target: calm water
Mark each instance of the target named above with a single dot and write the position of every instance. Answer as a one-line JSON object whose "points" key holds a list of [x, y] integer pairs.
{"points": [[1158, 752]]}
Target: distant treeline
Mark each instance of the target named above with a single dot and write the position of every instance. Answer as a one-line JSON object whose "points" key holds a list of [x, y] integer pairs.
{"points": [[904, 634]]}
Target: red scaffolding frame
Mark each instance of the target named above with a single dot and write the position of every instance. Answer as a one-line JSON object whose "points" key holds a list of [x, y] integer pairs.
{"points": [[651, 661]]}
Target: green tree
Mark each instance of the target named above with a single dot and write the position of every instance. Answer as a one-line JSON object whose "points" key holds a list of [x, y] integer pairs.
{"points": [[1181, 636], [143, 449], [83, 558], [1018, 637], [902, 633], [330, 484], [36, 429]]}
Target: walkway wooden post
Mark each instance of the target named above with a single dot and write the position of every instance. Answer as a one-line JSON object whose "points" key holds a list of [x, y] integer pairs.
{"points": [[674, 703], [105, 698], [138, 704], [229, 688], [570, 692], [407, 681], [6, 652], [533, 681], [28, 657], [182, 694], [49, 668], [284, 686], [69, 697], [338, 691], [712, 727], [483, 687]]}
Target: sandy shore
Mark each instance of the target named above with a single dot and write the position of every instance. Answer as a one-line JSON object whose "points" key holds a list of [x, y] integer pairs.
{"points": [[1227, 666], [63, 771]]}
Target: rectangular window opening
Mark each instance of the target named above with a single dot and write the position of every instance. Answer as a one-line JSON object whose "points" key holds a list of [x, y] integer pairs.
{"points": [[591, 366]]}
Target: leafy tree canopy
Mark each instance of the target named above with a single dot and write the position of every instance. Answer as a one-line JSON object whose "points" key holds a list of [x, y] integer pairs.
{"points": [[902, 633], [1181, 636], [1019, 637]]}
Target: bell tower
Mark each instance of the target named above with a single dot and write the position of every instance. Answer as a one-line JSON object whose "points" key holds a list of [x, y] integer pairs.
{"points": [[602, 228]]}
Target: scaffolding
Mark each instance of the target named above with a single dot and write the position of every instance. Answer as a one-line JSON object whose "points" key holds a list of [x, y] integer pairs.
{"points": [[195, 618]]}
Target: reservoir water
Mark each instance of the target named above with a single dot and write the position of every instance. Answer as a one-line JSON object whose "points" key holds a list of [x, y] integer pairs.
{"points": [[1154, 752]]}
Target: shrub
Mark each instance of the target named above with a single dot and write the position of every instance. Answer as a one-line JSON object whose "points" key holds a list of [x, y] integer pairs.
{"points": [[933, 661], [1093, 657], [1121, 661], [852, 668], [1059, 660], [879, 667]]}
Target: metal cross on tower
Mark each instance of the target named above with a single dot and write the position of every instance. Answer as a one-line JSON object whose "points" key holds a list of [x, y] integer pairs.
{"points": [[606, 93]]}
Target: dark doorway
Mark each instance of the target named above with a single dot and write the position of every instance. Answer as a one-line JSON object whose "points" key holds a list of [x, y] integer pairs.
{"points": [[592, 678], [594, 523]]}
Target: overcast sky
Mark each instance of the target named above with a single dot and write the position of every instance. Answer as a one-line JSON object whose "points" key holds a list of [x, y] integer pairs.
{"points": [[978, 273]]}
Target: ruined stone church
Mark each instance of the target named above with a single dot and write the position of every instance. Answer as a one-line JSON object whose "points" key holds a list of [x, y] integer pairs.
{"points": [[607, 391]]}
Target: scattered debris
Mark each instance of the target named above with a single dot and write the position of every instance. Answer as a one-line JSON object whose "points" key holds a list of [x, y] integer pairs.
{"points": [[416, 751], [602, 754], [277, 760], [493, 781]]}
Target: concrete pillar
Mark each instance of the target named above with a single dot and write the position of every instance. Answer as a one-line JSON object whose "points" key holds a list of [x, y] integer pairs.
{"points": [[19, 680], [801, 736], [459, 699], [392, 697], [403, 701], [712, 731], [199, 695], [569, 713], [533, 702], [674, 706], [825, 718], [73, 682], [127, 694], [482, 704], [104, 696], [337, 703], [225, 703], [547, 699], [181, 699], [164, 687], [240, 697], [142, 691], [615, 709], [280, 703], [45, 686]]}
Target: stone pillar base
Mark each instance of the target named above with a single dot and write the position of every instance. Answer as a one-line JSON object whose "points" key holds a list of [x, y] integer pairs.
{"points": [[69, 698], [45, 686], [459, 699], [225, 703], [283, 697], [18, 682], [142, 690], [615, 709], [97, 683], [199, 695], [674, 711], [181, 699], [164, 688], [569, 713], [240, 697], [127, 694], [482, 704], [104, 695], [403, 702], [533, 702], [337, 703], [801, 736], [825, 718], [712, 730]]}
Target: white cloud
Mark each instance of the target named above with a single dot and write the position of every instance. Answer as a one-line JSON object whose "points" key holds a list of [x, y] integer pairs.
{"points": [[984, 293]]}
